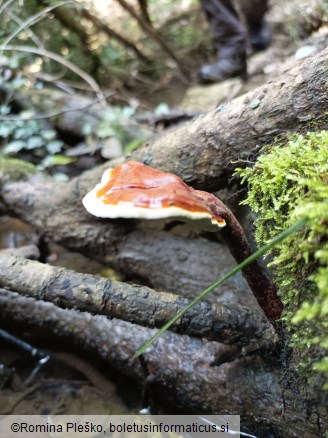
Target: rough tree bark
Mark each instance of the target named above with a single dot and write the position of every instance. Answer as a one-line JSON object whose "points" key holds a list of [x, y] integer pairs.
{"points": [[205, 151], [238, 325], [157, 256], [196, 374]]}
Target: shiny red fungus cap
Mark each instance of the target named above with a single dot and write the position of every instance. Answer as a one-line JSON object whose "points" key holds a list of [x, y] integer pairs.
{"points": [[134, 190]]}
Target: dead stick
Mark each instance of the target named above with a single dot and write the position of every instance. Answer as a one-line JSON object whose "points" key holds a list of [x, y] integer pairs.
{"points": [[138, 304]]}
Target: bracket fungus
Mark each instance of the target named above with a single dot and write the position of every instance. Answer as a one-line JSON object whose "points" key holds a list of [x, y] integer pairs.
{"points": [[134, 190]]}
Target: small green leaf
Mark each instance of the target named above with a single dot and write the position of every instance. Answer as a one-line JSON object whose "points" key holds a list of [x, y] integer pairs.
{"points": [[14, 62], [60, 177], [4, 110], [127, 112], [53, 147], [162, 109], [87, 129], [49, 134], [105, 131], [133, 145], [5, 130], [26, 115], [57, 160], [34, 142], [14, 147], [23, 132]]}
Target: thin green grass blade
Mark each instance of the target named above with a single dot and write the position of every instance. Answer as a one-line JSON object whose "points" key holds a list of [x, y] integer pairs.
{"points": [[261, 251]]}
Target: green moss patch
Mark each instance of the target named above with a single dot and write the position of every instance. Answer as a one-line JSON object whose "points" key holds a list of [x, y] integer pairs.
{"points": [[287, 183], [12, 169]]}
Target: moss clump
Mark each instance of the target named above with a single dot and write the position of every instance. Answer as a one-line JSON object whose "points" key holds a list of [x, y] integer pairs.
{"points": [[288, 183], [12, 169]]}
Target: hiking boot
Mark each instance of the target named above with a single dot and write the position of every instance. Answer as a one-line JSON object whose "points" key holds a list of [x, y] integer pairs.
{"points": [[259, 35], [224, 68]]}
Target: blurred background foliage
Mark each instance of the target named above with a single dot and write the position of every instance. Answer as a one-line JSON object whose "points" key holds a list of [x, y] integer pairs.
{"points": [[132, 49], [104, 38], [128, 57]]}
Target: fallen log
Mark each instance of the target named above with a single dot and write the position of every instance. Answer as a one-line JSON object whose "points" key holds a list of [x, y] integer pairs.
{"points": [[222, 322], [195, 374], [206, 151], [139, 249]]}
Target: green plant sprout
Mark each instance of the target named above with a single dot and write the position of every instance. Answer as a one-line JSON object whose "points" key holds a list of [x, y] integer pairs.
{"points": [[261, 251]]}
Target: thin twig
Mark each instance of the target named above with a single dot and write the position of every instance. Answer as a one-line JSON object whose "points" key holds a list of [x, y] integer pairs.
{"points": [[9, 409], [33, 351], [54, 56], [58, 113], [143, 6], [153, 33], [21, 344], [102, 27], [33, 36], [3, 7], [33, 20]]}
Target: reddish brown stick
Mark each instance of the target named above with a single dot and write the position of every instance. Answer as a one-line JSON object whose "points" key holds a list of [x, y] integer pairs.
{"points": [[234, 236]]}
